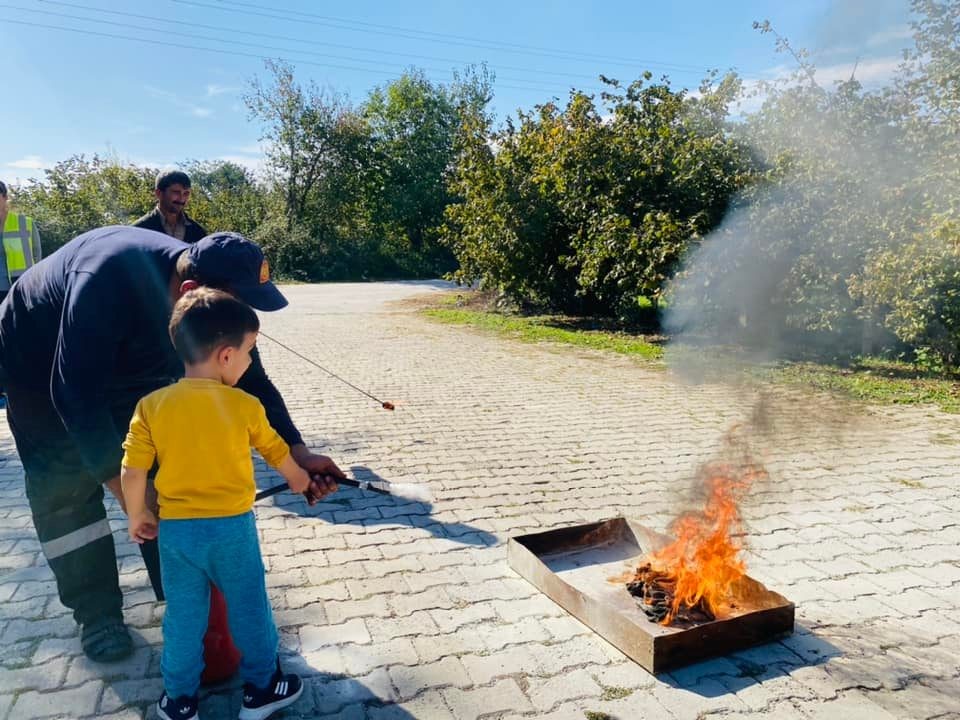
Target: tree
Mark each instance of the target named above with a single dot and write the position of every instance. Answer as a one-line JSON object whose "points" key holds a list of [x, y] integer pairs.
{"points": [[850, 238], [310, 134], [225, 196], [584, 209], [78, 195], [414, 126]]}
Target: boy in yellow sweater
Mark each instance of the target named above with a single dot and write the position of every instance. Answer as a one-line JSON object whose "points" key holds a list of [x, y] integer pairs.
{"points": [[200, 432]]}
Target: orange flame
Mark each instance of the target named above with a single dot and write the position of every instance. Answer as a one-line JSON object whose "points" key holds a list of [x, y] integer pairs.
{"points": [[703, 563]]}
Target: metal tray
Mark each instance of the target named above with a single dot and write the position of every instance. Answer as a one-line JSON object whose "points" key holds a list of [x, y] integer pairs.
{"points": [[574, 566]]}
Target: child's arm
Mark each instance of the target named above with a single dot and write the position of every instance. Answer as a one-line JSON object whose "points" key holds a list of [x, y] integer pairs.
{"points": [[142, 524], [138, 452], [296, 477], [274, 450]]}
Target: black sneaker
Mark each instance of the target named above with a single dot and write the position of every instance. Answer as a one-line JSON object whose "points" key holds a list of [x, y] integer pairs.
{"points": [[181, 708], [281, 691]]}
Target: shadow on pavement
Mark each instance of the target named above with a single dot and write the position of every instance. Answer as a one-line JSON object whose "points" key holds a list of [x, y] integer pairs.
{"points": [[325, 693], [352, 506], [732, 673]]}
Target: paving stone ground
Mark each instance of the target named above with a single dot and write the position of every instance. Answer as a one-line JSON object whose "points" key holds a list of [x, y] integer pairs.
{"points": [[394, 610]]}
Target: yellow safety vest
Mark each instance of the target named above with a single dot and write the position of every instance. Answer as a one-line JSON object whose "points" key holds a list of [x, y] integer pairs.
{"points": [[18, 250]]}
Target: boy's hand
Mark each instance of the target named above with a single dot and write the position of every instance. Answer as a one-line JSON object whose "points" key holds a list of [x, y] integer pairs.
{"points": [[143, 527], [299, 481]]}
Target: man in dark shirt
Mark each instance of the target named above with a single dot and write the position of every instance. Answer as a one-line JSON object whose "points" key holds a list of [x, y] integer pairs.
{"points": [[170, 216], [83, 336]]}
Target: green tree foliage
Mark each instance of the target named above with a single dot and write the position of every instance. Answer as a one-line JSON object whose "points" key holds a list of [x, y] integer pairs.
{"points": [[413, 125], [849, 240], [912, 285], [78, 194], [225, 196], [585, 209], [310, 137]]}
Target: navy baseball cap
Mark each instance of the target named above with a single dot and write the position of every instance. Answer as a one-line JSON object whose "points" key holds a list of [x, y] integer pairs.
{"points": [[229, 261]]}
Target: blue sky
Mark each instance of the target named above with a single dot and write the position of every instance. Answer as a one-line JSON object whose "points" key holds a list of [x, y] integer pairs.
{"points": [[131, 80]]}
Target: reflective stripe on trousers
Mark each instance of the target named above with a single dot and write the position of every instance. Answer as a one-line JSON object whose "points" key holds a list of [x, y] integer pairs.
{"points": [[75, 540], [67, 507]]}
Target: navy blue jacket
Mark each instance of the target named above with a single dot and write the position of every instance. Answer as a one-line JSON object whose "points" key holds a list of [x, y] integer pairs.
{"points": [[89, 322]]}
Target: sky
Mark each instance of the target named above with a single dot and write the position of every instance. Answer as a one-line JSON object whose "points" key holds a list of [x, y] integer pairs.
{"points": [[160, 82]]}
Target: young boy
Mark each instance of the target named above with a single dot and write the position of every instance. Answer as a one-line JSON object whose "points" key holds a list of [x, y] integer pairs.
{"points": [[200, 432]]}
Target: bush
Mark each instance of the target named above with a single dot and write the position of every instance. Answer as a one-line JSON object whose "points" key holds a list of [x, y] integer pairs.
{"points": [[915, 289]]}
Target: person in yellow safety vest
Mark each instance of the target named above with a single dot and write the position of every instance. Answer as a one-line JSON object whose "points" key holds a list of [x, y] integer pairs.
{"points": [[21, 243]]}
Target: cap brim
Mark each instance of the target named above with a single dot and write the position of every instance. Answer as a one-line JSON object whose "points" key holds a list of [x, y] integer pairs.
{"points": [[264, 296]]}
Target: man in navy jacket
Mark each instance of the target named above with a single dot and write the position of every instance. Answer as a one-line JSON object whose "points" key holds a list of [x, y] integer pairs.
{"points": [[83, 336]]}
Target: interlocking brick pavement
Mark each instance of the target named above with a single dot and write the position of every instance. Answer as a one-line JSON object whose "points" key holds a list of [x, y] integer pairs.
{"points": [[394, 610]]}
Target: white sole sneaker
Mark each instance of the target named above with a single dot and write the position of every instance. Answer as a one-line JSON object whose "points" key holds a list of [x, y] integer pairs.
{"points": [[265, 711]]}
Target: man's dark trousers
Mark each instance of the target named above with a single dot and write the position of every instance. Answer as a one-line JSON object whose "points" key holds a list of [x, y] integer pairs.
{"points": [[67, 506]]}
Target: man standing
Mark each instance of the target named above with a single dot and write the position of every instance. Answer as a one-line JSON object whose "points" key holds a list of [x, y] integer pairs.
{"points": [[83, 336], [21, 243], [169, 216]]}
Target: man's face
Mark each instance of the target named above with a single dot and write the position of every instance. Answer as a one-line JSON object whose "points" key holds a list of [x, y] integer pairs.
{"points": [[173, 199]]}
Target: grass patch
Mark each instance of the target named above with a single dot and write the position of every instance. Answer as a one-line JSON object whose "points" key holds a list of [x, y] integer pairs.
{"points": [[615, 693], [879, 381], [547, 328], [907, 482], [872, 380]]}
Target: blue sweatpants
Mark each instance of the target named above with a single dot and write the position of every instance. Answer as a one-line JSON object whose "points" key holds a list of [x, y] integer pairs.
{"points": [[225, 551]]}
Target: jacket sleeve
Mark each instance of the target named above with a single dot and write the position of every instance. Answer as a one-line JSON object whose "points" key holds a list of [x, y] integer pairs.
{"points": [[264, 438], [139, 450], [256, 382], [92, 327]]}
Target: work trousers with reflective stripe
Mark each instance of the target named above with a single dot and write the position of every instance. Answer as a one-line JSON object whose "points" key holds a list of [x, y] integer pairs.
{"points": [[67, 506]]}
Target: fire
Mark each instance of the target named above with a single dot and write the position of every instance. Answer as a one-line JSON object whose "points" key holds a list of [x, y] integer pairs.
{"points": [[698, 572]]}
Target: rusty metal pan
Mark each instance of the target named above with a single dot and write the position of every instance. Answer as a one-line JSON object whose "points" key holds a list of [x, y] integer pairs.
{"points": [[573, 566]]}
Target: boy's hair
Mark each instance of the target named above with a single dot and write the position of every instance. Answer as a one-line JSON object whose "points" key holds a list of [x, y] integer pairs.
{"points": [[205, 320]]}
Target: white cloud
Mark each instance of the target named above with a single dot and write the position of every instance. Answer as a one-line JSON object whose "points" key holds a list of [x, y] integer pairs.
{"points": [[213, 89], [253, 149], [253, 163], [30, 162], [190, 107], [894, 34], [870, 72]]}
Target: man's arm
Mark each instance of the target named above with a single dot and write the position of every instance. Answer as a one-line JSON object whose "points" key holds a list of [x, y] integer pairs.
{"points": [[256, 382], [92, 327]]}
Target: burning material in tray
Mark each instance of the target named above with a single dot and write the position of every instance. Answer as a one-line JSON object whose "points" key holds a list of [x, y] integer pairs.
{"points": [[655, 593], [697, 577]]}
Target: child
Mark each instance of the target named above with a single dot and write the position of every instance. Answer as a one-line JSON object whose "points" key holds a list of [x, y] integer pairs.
{"points": [[200, 432]]}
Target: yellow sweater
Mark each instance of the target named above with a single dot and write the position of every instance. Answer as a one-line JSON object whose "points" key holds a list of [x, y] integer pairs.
{"points": [[200, 432]]}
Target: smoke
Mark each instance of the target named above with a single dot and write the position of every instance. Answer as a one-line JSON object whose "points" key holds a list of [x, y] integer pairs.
{"points": [[849, 179]]}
